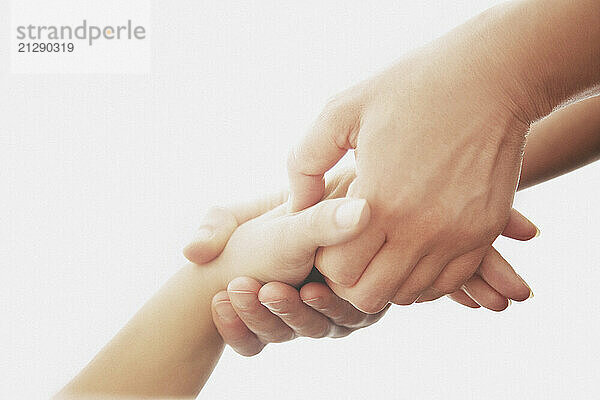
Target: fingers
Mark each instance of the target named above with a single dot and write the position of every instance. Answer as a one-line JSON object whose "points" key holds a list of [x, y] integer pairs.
{"points": [[387, 266], [519, 227], [500, 275], [496, 271], [232, 329], [484, 294], [459, 270], [268, 328], [284, 301], [420, 278], [327, 223], [322, 299], [345, 263], [323, 146], [424, 284], [501, 279], [462, 298], [219, 223], [248, 316]]}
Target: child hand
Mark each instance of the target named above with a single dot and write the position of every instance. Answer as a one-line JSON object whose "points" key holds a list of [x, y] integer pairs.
{"points": [[281, 246]]}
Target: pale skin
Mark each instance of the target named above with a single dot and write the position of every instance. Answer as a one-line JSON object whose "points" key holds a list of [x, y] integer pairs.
{"points": [[139, 363], [438, 140], [171, 345], [566, 140]]}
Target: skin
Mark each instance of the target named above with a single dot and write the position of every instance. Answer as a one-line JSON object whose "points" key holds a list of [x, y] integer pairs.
{"points": [[438, 140], [254, 315], [171, 345], [567, 139], [137, 364], [564, 141]]}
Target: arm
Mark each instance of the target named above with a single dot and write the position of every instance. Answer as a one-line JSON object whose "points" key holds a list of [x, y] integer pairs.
{"points": [[564, 141], [568, 139], [259, 314], [438, 139], [170, 346]]}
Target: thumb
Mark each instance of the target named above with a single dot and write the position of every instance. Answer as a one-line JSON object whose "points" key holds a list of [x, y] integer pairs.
{"points": [[519, 227], [327, 223], [219, 223], [323, 146], [210, 239]]}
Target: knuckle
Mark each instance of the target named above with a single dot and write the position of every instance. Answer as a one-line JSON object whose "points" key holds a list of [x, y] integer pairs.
{"points": [[345, 278], [369, 304], [436, 217], [339, 117], [494, 223], [501, 220], [335, 269]]}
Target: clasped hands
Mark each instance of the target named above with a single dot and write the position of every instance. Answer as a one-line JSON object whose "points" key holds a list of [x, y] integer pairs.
{"points": [[438, 156]]}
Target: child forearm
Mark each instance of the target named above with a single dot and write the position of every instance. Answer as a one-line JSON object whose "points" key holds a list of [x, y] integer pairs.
{"points": [[169, 348], [564, 141]]}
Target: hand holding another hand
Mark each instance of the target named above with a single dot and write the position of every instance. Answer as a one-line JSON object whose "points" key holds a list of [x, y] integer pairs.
{"points": [[438, 142], [251, 314]]}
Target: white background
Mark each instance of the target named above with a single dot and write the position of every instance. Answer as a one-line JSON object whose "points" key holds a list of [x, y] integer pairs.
{"points": [[104, 177]]}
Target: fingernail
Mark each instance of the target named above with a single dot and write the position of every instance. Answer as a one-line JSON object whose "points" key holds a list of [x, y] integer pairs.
{"points": [[276, 305], [509, 303], [204, 234], [348, 213], [537, 232], [528, 287], [225, 311], [314, 302]]}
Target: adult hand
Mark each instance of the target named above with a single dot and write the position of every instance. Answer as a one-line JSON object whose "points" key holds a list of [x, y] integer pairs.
{"points": [[438, 144], [314, 310]]}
